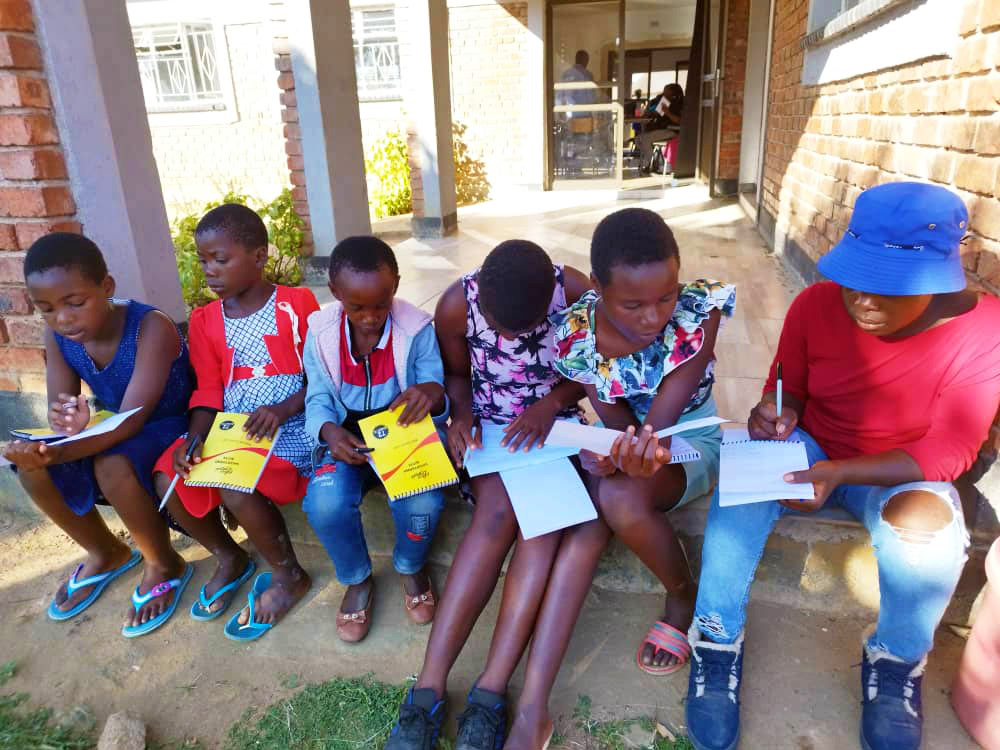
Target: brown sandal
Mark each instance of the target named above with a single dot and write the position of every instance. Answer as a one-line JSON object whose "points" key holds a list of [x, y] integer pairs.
{"points": [[354, 626], [420, 608]]}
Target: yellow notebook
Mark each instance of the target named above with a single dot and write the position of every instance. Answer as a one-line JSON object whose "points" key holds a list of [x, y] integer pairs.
{"points": [[229, 459], [46, 433], [409, 460]]}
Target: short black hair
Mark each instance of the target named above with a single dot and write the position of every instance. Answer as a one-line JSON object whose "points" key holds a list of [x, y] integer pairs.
{"points": [[66, 250], [362, 253], [630, 237], [516, 282], [582, 57], [240, 224]]}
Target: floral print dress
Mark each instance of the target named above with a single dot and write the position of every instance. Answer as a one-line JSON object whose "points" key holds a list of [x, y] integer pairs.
{"points": [[636, 377]]}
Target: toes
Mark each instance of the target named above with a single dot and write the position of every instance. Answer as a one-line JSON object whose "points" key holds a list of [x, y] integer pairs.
{"points": [[648, 656]]}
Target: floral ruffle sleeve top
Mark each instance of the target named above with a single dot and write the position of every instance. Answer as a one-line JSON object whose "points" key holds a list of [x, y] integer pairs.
{"points": [[636, 377]]}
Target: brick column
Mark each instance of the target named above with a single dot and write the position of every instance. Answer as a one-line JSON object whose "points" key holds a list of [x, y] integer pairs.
{"points": [[293, 138], [733, 82], [35, 195]]}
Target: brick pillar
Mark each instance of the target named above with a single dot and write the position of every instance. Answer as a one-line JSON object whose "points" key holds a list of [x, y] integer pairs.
{"points": [[35, 195], [734, 68], [293, 138]]}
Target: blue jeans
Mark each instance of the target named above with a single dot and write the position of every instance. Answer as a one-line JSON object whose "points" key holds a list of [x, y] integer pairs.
{"points": [[917, 571], [333, 506]]}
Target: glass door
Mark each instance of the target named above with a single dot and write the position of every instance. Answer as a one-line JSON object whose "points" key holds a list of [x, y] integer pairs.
{"points": [[585, 106]]}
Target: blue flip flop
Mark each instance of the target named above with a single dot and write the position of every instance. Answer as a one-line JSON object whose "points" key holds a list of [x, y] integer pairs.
{"points": [[99, 582], [164, 587], [252, 630], [200, 609]]}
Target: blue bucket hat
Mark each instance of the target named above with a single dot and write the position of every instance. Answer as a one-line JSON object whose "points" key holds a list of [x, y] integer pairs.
{"points": [[903, 239]]}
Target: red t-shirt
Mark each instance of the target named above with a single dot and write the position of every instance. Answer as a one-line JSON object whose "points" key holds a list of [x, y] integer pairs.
{"points": [[933, 395]]}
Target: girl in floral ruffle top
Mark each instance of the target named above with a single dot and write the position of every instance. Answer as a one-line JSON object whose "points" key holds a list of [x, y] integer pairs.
{"points": [[642, 345]]}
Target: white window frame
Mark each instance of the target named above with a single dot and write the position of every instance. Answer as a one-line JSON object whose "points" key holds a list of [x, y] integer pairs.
{"points": [[188, 67], [823, 12], [218, 13], [876, 35], [377, 94]]}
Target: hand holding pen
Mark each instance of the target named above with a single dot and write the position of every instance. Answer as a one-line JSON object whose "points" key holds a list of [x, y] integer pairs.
{"points": [[192, 445]]}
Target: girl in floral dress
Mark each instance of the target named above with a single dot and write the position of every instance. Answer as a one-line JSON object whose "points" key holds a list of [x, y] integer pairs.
{"points": [[641, 344]]}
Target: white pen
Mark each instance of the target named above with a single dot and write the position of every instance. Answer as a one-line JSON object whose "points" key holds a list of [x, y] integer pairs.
{"points": [[778, 404]]}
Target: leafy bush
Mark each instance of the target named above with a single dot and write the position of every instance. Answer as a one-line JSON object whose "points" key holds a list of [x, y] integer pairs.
{"points": [[284, 232], [388, 168]]}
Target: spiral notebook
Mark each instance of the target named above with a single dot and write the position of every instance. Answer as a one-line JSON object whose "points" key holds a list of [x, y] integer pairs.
{"points": [[567, 433], [409, 460], [752, 471], [229, 459]]}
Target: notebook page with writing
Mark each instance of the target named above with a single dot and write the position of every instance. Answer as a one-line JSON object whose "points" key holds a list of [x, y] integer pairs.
{"points": [[753, 471]]}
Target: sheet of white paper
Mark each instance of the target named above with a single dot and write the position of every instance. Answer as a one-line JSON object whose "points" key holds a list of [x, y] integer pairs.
{"points": [[495, 457], [548, 497], [752, 471], [108, 425], [600, 439]]}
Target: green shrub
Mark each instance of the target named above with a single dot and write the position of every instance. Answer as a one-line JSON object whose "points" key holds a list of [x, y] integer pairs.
{"points": [[388, 168], [284, 232]]}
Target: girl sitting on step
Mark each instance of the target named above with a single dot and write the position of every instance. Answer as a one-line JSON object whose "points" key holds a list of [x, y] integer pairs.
{"points": [[132, 357]]}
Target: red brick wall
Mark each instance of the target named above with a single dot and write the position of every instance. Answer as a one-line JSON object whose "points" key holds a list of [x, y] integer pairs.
{"points": [[935, 121], [734, 77], [35, 196]]}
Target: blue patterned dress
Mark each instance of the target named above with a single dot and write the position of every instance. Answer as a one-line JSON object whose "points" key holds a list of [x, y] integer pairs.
{"points": [[75, 479]]}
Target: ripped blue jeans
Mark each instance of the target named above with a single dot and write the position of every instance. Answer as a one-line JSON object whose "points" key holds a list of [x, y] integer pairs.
{"points": [[917, 570], [333, 506]]}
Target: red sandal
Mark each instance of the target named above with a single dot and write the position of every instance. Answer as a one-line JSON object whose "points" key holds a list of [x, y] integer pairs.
{"points": [[664, 637]]}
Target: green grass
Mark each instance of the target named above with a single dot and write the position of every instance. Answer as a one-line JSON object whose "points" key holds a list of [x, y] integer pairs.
{"points": [[341, 714], [23, 728], [611, 734]]}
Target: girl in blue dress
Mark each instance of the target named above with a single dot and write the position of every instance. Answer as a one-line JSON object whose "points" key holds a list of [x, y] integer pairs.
{"points": [[131, 356]]}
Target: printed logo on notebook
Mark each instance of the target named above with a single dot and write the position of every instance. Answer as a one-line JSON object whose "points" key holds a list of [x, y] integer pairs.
{"points": [[381, 432]]}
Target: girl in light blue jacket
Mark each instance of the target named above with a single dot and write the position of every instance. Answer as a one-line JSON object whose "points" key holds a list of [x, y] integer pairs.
{"points": [[367, 352]]}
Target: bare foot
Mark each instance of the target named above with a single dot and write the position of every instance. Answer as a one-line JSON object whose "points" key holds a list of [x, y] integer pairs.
{"points": [[152, 575], [287, 587], [532, 729], [94, 565], [227, 570], [678, 612]]}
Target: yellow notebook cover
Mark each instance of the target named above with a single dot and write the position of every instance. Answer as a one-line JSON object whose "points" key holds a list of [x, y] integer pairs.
{"points": [[230, 459], [46, 433], [409, 460]]}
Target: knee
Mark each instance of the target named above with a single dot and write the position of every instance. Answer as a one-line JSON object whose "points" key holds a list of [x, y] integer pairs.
{"points": [[494, 520], [111, 471], [329, 506], [918, 511], [621, 504]]}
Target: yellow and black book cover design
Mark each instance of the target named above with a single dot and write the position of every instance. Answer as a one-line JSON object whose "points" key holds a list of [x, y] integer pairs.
{"points": [[229, 459], [409, 460]]}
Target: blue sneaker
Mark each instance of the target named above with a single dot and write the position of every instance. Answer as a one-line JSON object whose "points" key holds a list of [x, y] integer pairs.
{"points": [[419, 723], [892, 716], [483, 723], [713, 700]]}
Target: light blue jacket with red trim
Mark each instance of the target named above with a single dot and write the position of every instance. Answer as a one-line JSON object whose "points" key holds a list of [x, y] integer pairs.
{"points": [[415, 354]]}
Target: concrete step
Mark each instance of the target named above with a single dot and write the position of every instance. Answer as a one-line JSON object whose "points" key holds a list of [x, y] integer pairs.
{"points": [[822, 563]]}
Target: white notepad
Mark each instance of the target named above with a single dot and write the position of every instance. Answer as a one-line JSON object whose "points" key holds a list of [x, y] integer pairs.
{"points": [[495, 457], [548, 497], [752, 471]]}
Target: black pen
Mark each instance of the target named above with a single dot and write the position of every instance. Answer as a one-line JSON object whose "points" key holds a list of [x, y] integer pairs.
{"points": [[366, 449]]}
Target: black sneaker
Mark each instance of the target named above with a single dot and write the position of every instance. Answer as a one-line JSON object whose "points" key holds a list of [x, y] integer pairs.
{"points": [[483, 723], [419, 723], [892, 716]]}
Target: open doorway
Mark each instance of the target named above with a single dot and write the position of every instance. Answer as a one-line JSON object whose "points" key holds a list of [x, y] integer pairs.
{"points": [[624, 90]]}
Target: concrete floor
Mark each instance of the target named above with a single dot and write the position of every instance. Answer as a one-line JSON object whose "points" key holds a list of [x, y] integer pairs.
{"points": [[187, 680]]}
